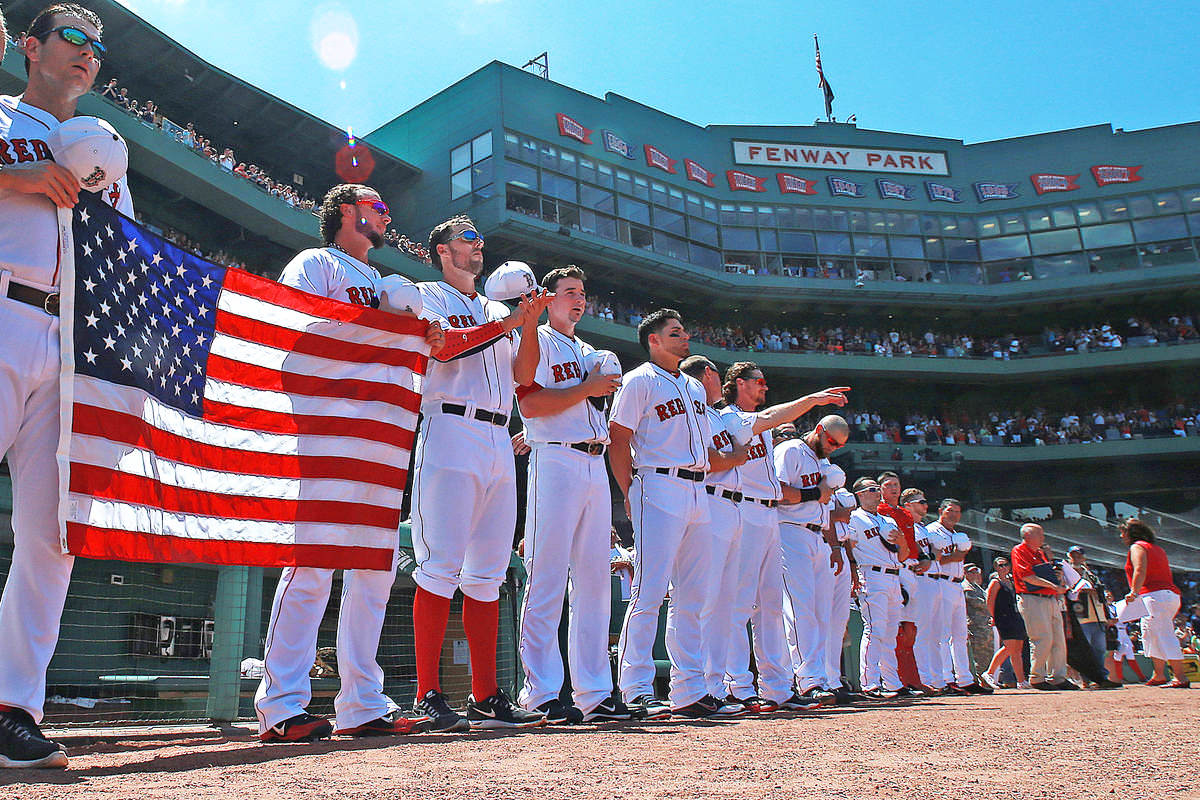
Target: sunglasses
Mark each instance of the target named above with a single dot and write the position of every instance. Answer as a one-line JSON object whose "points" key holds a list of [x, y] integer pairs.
{"points": [[378, 206], [760, 380], [468, 235], [829, 440], [78, 38], [869, 490]]}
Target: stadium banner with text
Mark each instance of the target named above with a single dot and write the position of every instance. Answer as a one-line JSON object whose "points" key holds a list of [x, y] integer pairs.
{"points": [[210, 415], [857, 159]]}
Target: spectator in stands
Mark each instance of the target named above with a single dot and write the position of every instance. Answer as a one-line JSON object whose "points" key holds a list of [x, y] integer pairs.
{"points": [[1038, 594], [1149, 576], [110, 90]]}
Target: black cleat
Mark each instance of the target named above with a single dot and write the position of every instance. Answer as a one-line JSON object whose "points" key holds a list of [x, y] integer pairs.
{"points": [[559, 713], [609, 710], [442, 718], [22, 745], [647, 706], [498, 711], [300, 728]]}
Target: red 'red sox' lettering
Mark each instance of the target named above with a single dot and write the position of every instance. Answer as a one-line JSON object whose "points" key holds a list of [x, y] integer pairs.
{"points": [[757, 450], [720, 440], [566, 371], [462, 321], [810, 480], [362, 295], [671, 408]]}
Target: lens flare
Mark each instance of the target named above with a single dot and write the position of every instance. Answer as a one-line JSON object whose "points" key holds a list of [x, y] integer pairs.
{"points": [[334, 37]]}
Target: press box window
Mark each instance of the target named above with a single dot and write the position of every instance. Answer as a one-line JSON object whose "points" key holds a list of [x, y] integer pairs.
{"points": [[471, 167]]}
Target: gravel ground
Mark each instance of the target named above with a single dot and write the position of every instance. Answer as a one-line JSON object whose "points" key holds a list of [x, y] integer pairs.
{"points": [[1138, 742]]}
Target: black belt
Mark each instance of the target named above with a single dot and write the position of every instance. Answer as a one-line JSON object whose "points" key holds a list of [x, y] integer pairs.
{"points": [[767, 503], [812, 526], [736, 497], [494, 417], [885, 570], [939, 577], [46, 301], [680, 472], [591, 448]]}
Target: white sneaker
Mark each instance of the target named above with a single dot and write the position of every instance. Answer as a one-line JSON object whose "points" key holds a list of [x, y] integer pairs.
{"points": [[990, 680], [1024, 685]]}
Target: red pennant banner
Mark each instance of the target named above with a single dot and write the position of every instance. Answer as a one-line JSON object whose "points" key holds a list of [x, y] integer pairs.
{"points": [[794, 184], [571, 128], [657, 158], [697, 173], [1046, 182], [745, 182], [1113, 173]]}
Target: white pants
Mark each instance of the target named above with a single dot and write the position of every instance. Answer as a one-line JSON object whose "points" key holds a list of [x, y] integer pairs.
{"points": [[568, 520], [724, 534], [910, 611], [464, 507], [291, 645], [759, 602], [807, 588], [36, 588], [956, 665], [879, 602], [1158, 629], [670, 550], [839, 615], [932, 633]]}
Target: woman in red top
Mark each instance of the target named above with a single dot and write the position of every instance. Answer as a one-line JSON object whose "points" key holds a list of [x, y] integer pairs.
{"points": [[1149, 577]]}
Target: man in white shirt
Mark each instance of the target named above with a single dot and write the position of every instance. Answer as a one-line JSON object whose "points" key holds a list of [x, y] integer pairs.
{"points": [[875, 538]]}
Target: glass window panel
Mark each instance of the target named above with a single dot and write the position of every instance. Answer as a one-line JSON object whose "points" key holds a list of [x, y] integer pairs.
{"points": [[1009, 270], [906, 247], [1088, 213], [670, 246], [868, 245], [522, 175], [599, 199], [1004, 247], [522, 201], [742, 262], [1194, 223], [1055, 241], [634, 210], [739, 238], [876, 222], [1060, 266], [961, 272], [803, 217], [1161, 229], [704, 231], [669, 221], [1116, 208], [893, 221], [1163, 254], [566, 162], [746, 215], [601, 225], [767, 239], [930, 224], [460, 157], [962, 250], [839, 219], [989, 226], [460, 184], [797, 242], [558, 186], [1063, 216], [624, 182], [710, 210], [909, 223], [916, 271], [481, 146], [933, 248], [587, 170], [604, 175], [548, 156], [1039, 219], [766, 217], [821, 219], [675, 199], [529, 150], [694, 206], [1141, 205], [858, 222], [1012, 223], [1167, 203], [658, 193], [640, 237], [549, 209], [568, 214], [1110, 235], [704, 256], [950, 226], [833, 244], [641, 187], [1113, 259], [728, 214], [966, 227], [1191, 198], [512, 145], [482, 173]]}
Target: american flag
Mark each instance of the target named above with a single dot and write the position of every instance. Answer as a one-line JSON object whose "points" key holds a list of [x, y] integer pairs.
{"points": [[215, 416], [823, 84]]}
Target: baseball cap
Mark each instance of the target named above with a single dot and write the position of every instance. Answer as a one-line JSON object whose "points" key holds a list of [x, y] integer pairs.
{"points": [[1074, 549], [509, 281]]}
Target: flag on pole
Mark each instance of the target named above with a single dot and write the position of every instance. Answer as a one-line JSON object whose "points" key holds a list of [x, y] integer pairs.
{"points": [[823, 84], [211, 415]]}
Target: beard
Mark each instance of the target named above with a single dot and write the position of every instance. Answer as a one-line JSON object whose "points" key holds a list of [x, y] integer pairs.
{"points": [[376, 238]]}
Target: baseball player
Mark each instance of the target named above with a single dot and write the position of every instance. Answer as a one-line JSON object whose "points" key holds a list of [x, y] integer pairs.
{"points": [[809, 558], [62, 56], [926, 595], [568, 515], [464, 508], [723, 532], [758, 571], [661, 442], [889, 484], [845, 583], [877, 541], [956, 665], [353, 220]]}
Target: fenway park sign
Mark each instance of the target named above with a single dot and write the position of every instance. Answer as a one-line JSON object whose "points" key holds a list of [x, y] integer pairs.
{"points": [[820, 156]]}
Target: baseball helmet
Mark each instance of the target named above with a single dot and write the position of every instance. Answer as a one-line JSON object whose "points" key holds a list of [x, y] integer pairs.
{"points": [[509, 281], [834, 476], [399, 295], [91, 150]]}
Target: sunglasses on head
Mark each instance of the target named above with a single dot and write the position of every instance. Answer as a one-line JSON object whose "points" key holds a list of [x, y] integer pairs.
{"points": [[468, 235], [78, 38], [378, 206]]}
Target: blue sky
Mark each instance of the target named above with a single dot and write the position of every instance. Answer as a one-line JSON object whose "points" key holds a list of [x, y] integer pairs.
{"points": [[944, 69]]}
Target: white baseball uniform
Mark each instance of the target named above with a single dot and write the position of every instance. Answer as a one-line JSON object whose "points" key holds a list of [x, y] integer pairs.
{"points": [[807, 576], [568, 519], [665, 412], [36, 589], [931, 622], [956, 665], [759, 575], [303, 592], [723, 532], [879, 601], [839, 606], [464, 505]]}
